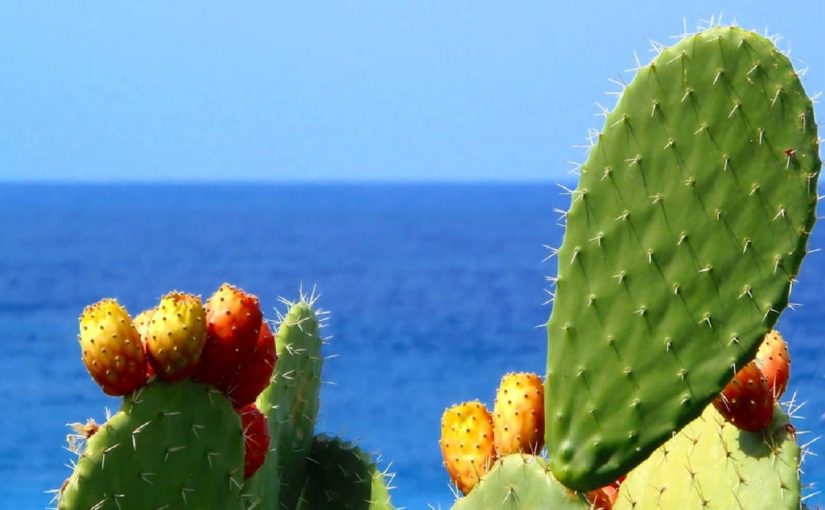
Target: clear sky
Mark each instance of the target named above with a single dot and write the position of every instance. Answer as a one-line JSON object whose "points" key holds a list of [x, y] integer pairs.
{"points": [[380, 90]]}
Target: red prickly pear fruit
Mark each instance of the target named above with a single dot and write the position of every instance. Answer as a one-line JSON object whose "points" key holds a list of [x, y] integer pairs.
{"points": [[467, 443], [112, 351], [141, 322], [775, 362], [518, 414], [603, 498], [256, 438], [175, 336], [255, 373], [747, 402], [233, 322]]}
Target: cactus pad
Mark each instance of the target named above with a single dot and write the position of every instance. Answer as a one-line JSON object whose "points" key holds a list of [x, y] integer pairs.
{"points": [[685, 233], [521, 482], [170, 446], [290, 403], [343, 477], [711, 464]]}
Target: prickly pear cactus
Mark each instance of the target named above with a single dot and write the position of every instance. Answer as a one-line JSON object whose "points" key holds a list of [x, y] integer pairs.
{"points": [[711, 464], [521, 482], [343, 477], [170, 446], [291, 405], [684, 236]]}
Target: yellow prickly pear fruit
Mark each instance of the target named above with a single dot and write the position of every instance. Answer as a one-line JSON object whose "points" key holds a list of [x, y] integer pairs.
{"points": [[142, 321], [518, 414], [467, 443], [176, 335], [111, 347]]}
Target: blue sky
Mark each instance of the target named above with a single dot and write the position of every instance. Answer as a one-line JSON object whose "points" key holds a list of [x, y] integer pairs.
{"points": [[425, 90]]}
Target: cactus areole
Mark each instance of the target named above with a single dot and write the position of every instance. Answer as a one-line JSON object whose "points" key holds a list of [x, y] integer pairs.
{"points": [[683, 240]]}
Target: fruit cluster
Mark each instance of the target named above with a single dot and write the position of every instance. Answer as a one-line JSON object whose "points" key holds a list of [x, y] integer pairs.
{"points": [[473, 439], [217, 412], [225, 343]]}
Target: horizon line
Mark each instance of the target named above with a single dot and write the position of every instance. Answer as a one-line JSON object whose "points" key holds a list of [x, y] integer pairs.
{"points": [[279, 182]]}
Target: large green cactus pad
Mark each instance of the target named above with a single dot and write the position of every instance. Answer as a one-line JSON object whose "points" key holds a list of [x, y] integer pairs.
{"points": [[684, 235], [711, 464], [343, 477], [291, 405], [521, 482], [170, 446]]}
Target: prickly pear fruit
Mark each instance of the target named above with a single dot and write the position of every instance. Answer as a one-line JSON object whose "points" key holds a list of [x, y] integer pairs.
{"points": [[747, 401], [141, 322], [467, 443], [256, 438], [255, 373], [518, 414], [774, 362], [175, 336], [603, 498], [233, 322], [111, 346]]}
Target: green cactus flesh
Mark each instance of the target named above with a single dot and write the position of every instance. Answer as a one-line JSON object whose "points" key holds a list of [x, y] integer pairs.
{"points": [[521, 482], [683, 238], [170, 446], [291, 405], [343, 477], [711, 464]]}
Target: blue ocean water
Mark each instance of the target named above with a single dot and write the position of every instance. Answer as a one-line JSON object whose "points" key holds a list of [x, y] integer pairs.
{"points": [[435, 291]]}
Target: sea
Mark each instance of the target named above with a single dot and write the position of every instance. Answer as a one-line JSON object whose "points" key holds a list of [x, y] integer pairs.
{"points": [[435, 291]]}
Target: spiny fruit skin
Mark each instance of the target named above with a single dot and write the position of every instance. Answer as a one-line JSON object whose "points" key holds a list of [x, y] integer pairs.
{"points": [[233, 322], [603, 498], [176, 335], [256, 438], [747, 401], [774, 362], [518, 414], [467, 443], [256, 372], [141, 322], [112, 351]]}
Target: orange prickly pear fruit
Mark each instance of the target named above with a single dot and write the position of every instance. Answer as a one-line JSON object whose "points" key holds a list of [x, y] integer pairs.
{"points": [[112, 351], [775, 362], [518, 414], [467, 443], [747, 402]]}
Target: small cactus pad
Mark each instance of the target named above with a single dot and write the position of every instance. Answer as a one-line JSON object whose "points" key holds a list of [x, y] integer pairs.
{"points": [[521, 482], [290, 403], [170, 446], [467, 443], [711, 464], [343, 477], [685, 233], [518, 414]]}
